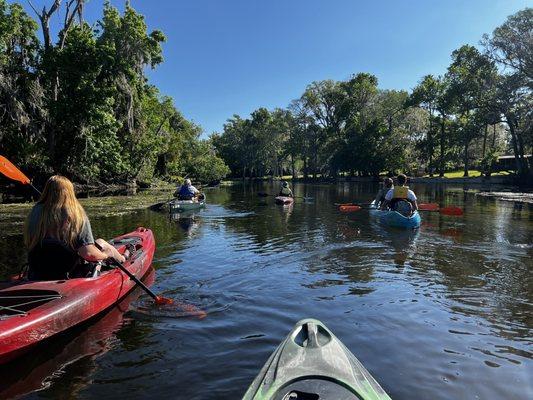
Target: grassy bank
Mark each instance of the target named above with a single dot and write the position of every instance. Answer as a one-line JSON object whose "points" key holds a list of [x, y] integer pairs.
{"points": [[13, 215]]}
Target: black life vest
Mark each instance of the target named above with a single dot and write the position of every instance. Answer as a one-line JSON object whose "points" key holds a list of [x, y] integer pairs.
{"points": [[51, 260]]}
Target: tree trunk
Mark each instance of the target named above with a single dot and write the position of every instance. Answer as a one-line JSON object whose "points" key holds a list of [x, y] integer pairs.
{"points": [[430, 145], [514, 142], [485, 140], [293, 167], [523, 160], [467, 143], [315, 162], [442, 147]]}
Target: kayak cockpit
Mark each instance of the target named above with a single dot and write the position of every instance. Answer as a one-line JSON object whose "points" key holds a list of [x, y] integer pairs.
{"points": [[19, 302], [314, 389]]}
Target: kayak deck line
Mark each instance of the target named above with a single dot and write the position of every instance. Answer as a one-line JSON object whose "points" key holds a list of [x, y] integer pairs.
{"points": [[14, 308]]}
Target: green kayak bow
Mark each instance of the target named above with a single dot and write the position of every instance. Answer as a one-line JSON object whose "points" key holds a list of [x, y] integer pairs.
{"points": [[312, 364]]}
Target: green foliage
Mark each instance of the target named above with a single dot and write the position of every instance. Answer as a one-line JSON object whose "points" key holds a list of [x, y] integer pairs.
{"points": [[83, 107], [22, 110]]}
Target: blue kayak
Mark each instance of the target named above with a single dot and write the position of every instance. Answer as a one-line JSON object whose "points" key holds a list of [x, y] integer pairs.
{"points": [[397, 220]]}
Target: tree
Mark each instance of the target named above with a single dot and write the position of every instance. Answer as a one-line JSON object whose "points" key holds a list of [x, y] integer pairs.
{"points": [[472, 79], [22, 110], [232, 145], [324, 102], [81, 105], [511, 45], [512, 48]]}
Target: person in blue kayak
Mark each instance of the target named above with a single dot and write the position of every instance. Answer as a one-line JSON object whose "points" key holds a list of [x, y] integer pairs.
{"points": [[401, 198], [388, 184], [187, 191], [58, 234], [285, 190]]}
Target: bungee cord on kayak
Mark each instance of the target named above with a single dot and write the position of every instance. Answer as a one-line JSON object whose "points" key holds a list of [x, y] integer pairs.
{"points": [[18, 304]]}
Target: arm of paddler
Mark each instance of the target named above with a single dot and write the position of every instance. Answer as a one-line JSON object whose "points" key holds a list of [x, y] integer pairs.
{"points": [[91, 253]]}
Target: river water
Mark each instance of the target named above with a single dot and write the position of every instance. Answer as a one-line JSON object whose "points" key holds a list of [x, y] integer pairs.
{"points": [[439, 313]]}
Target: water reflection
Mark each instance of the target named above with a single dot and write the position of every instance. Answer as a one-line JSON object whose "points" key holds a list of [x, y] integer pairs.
{"points": [[440, 312], [187, 220]]}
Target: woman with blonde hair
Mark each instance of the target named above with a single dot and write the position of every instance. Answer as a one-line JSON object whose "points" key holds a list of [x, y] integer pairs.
{"points": [[58, 234]]}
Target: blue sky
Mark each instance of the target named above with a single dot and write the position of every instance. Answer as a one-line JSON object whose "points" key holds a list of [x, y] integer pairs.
{"points": [[225, 57]]}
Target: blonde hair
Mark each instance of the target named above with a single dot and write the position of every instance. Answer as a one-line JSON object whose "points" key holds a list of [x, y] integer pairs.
{"points": [[62, 215]]}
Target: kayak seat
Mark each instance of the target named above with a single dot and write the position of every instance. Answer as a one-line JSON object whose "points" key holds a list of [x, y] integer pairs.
{"points": [[403, 207], [317, 388], [297, 395], [51, 260]]}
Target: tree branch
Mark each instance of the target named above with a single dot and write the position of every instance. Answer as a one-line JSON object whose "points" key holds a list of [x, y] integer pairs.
{"points": [[69, 19], [34, 9], [53, 9]]}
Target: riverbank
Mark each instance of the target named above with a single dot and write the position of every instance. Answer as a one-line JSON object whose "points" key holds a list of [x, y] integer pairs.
{"points": [[13, 215], [526, 198], [506, 180], [14, 193]]}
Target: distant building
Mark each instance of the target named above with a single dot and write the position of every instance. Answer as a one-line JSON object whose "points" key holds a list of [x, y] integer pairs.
{"points": [[508, 163]]}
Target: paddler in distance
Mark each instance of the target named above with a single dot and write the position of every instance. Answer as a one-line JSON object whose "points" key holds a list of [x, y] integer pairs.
{"points": [[401, 198], [285, 190], [387, 185], [186, 191]]}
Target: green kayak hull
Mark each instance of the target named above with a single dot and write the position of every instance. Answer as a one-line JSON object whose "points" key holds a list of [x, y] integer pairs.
{"points": [[312, 363], [185, 205]]}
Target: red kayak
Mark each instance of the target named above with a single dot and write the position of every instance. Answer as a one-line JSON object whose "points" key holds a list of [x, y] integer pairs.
{"points": [[31, 312], [284, 200], [31, 372]]}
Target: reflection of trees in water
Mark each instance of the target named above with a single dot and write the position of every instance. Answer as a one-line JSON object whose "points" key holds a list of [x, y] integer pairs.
{"points": [[485, 272], [351, 267], [323, 236], [186, 220]]}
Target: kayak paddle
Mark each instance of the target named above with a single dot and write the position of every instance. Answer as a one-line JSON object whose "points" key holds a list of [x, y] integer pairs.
{"points": [[159, 300], [450, 210], [351, 207], [10, 171]]}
